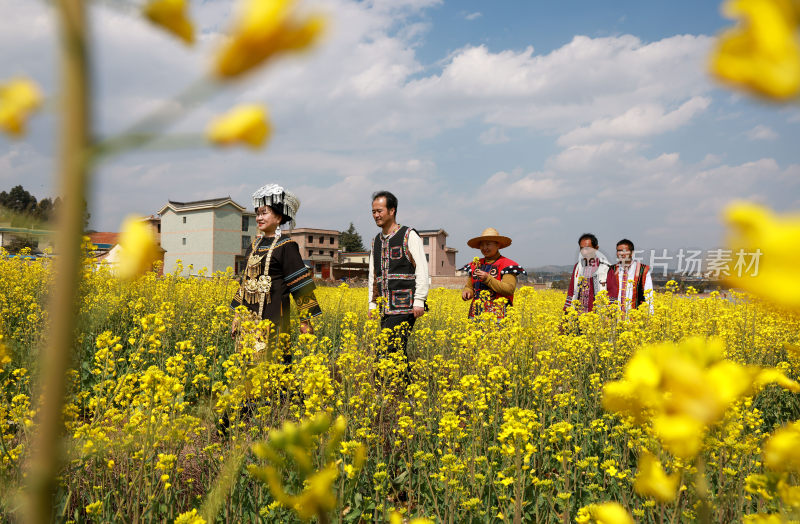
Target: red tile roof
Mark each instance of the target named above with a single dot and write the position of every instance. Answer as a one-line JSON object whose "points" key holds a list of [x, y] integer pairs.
{"points": [[104, 238]]}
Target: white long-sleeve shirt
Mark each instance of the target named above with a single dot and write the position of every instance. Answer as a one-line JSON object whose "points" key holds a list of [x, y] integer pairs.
{"points": [[420, 271], [629, 287]]}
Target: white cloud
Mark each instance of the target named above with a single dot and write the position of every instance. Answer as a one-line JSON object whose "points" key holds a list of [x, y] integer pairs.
{"points": [[493, 135], [518, 187], [473, 16], [761, 132], [710, 159], [591, 157], [637, 122]]}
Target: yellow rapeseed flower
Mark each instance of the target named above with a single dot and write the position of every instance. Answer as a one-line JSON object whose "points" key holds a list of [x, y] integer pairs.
{"points": [[762, 54], [245, 123], [609, 513], [5, 354], [681, 435], [782, 449], [190, 517], [789, 494], [138, 246], [652, 481], [756, 228], [763, 518], [18, 99], [264, 29], [171, 15], [95, 508]]}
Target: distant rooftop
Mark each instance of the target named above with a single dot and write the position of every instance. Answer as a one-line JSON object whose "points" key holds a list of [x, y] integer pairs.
{"points": [[208, 201], [300, 230], [432, 231], [103, 238], [200, 204]]}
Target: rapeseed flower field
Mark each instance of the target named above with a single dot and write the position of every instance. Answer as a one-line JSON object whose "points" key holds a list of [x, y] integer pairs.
{"points": [[688, 413]]}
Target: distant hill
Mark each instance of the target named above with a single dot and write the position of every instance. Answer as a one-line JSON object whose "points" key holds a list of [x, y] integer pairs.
{"points": [[549, 269]]}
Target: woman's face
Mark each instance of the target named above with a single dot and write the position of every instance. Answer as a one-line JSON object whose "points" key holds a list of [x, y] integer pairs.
{"points": [[267, 220], [488, 248]]}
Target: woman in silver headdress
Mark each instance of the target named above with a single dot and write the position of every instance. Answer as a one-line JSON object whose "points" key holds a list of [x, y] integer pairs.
{"points": [[275, 268]]}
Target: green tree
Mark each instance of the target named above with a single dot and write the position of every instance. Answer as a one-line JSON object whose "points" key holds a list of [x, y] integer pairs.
{"points": [[18, 200], [350, 240]]}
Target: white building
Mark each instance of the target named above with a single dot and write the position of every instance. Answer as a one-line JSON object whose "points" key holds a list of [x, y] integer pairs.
{"points": [[211, 234]]}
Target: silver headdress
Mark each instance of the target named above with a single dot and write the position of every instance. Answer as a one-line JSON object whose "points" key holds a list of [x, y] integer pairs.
{"points": [[280, 200]]}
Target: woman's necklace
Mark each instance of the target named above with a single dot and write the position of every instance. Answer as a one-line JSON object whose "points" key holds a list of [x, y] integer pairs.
{"points": [[257, 285]]}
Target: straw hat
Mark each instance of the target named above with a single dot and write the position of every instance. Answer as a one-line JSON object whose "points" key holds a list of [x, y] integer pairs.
{"points": [[489, 234]]}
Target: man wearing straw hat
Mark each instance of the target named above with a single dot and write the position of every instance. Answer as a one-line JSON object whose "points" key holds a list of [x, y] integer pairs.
{"points": [[398, 272], [492, 277]]}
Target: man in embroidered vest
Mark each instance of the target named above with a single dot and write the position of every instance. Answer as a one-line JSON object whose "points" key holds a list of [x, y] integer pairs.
{"points": [[629, 281], [398, 272], [588, 275]]}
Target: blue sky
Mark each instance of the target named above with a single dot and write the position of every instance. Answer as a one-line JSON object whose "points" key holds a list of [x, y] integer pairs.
{"points": [[541, 119]]}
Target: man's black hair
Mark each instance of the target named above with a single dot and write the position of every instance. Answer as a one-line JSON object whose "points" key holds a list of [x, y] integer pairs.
{"points": [[391, 200], [627, 243], [590, 237]]}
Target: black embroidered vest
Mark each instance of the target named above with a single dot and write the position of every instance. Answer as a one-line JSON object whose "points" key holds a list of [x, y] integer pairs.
{"points": [[393, 268]]}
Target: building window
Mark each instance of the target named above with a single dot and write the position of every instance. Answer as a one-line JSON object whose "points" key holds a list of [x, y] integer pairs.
{"points": [[184, 220], [310, 239], [183, 241], [321, 240], [310, 252], [332, 241], [245, 241], [427, 257], [321, 251], [245, 223], [442, 263], [331, 252], [158, 227], [425, 241]]}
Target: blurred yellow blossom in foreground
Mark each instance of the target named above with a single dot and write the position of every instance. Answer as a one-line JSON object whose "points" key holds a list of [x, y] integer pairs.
{"points": [[397, 518], [681, 388], [171, 15], [139, 249], [299, 441], [652, 481], [756, 228], [762, 54], [245, 123], [606, 513], [18, 99], [265, 28], [782, 449]]}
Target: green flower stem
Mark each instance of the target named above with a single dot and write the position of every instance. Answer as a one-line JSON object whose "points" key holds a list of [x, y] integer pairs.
{"points": [[149, 128], [74, 178]]}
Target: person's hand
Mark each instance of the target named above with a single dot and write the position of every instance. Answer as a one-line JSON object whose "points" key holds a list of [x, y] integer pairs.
{"points": [[234, 326], [418, 311], [466, 294], [306, 328], [481, 275]]}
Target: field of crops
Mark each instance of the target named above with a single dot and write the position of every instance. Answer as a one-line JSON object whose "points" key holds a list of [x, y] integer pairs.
{"points": [[167, 420]]}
